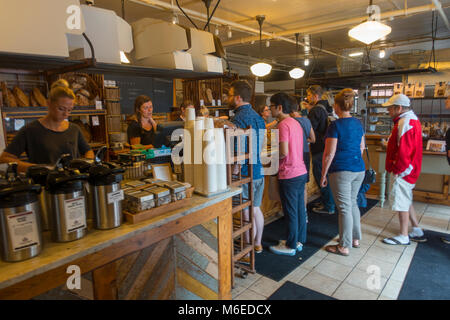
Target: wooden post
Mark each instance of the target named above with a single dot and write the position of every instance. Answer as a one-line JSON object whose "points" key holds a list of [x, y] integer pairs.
{"points": [[224, 238], [104, 281]]}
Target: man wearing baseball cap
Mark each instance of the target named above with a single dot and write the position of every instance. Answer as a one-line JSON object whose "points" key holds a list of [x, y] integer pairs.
{"points": [[404, 161]]}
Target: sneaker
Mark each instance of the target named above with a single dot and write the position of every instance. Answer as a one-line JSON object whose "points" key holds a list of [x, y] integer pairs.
{"points": [[445, 240], [283, 250], [258, 249], [322, 210], [299, 245]]}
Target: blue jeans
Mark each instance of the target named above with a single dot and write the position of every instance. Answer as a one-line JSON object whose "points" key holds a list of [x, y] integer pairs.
{"points": [[293, 203], [325, 193]]}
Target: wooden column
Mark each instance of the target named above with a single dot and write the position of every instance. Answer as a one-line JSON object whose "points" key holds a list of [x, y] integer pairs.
{"points": [[104, 280], [225, 242]]}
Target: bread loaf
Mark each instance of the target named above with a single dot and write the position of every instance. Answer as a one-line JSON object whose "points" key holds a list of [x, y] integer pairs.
{"points": [[82, 100], [8, 97], [21, 98], [33, 101], [39, 97]]}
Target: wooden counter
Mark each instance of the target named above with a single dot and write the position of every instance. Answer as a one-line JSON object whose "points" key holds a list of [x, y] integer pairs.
{"points": [[181, 254]]}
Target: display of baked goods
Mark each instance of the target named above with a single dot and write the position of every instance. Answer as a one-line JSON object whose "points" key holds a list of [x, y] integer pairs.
{"points": [[39, 97], [33, 101], [84, 87], [8, 97], [21, 98]]}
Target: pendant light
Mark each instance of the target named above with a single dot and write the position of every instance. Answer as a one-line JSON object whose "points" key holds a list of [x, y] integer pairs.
{"points": [[297, 72], [371, 30], [260, 69]]}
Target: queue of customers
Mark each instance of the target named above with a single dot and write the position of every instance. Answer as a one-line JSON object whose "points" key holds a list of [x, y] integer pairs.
{"points": [[336, 145]]}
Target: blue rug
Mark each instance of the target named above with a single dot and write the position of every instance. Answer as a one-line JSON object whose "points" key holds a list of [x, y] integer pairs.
{"points": [[428, 276], [292, 291], [321, 229]]}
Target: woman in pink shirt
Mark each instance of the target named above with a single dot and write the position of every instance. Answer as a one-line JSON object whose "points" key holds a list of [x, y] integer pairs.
{"points": [[291, 174]]}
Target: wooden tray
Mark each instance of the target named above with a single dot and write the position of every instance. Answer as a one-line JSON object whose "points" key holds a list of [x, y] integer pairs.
{"points": [[154, 212]]}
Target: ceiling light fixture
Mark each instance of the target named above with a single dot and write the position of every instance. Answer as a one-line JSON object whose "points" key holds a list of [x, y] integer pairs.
{"points": [[175, 19], [356, 54], [229, 33], [260, 69], [371, 30], [216, 31], [267, 43], [382, 54], [297, 72]]}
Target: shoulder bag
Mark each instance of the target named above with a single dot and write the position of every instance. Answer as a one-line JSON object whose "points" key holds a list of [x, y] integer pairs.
{"points": [[371, 175]]}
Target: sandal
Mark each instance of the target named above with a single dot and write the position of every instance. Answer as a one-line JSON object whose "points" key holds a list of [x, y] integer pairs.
{"points": [[335, 249], [353, 245]]}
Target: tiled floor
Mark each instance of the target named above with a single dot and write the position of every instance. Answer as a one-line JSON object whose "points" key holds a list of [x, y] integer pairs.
{"points": [[350, 277]]}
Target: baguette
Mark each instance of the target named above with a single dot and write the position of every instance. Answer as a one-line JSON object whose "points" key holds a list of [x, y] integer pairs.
{"points": [[33, 101], [8, 97], [21, 98], [39, 97]]}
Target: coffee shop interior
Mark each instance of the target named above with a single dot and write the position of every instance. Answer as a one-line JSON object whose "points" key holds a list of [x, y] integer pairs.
{"points": [[225, 150]]}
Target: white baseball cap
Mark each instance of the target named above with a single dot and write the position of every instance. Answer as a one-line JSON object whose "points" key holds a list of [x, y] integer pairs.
{"points": [[398, 100]]}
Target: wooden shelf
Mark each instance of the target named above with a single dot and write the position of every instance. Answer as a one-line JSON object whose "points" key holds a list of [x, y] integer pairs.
{"points": [[33, 112]]}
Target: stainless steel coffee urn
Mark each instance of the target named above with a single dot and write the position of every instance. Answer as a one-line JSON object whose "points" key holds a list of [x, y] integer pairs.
{"points": [[67, 204], [104, 180], [39, 175], [83, 166], [20, 221]]}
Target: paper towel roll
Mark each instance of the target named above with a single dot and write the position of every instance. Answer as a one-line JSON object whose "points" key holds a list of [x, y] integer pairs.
{"points": [[221, 167]]}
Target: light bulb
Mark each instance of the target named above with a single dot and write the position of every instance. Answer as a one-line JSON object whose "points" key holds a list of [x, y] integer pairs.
{"points": [[175, 19], [382, 54], [216, 31], [261, 69], [267, 43], [356, 54], [306, 62], [369, 31], [297, 73], [229, 33], [253, 42]]}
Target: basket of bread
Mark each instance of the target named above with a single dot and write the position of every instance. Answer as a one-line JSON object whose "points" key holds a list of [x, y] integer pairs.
{"points": [[16, 97], [85, 88]]}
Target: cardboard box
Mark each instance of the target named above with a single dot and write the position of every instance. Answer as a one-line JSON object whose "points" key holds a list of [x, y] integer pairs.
{"points": [[108, 33], [173, 60], [207, 63], [155, 37], [200, 42], [440, 89], [39, 27]]}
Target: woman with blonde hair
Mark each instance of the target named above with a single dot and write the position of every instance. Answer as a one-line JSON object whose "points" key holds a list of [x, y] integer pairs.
{"points": [[46, 139], [342, 160]]}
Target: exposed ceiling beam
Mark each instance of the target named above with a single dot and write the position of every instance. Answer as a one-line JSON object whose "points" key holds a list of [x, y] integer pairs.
{"points": [[438, 5], [335, 25], [198, 15]]}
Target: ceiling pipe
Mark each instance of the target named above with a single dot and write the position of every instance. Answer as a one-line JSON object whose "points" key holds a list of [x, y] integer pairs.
{"points": [[438, 5], [266, 35], [323, 27]]}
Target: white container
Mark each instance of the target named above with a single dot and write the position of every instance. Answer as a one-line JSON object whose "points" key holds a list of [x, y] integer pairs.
{"points": [[221, 167], [210, 158]]}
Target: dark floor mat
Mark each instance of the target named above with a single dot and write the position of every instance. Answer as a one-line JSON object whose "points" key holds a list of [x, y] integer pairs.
{"points": [[292, 291], [321, 229], [428, 276]]}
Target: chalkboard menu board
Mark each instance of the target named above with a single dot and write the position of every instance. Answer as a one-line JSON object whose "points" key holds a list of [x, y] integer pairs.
{"points": [[159, 90]]}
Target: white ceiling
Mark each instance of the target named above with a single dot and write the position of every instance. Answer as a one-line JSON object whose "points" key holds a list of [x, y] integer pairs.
{"points": [[410, 32]]}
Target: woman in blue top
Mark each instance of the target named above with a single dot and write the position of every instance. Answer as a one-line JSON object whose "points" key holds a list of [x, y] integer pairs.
{"points": [[343, 161]]}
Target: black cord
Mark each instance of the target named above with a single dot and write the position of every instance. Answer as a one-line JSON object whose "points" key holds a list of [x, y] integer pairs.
{"points": [[212, 14], [123, 9], [179, 7]]}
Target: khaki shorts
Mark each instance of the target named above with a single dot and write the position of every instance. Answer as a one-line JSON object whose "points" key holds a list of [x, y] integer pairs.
{"points": [[401, 195]]}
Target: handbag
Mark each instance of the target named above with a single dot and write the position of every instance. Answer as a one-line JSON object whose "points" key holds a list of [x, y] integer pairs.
{"points": [[370, 175]]}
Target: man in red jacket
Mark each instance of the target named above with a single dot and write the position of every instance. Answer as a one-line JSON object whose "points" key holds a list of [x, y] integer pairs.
{"points": [[404, 161]]}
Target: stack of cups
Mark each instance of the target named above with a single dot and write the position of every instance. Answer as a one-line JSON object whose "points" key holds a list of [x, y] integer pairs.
{"points": [[210, 158], [198, 154], [188, 148]]}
